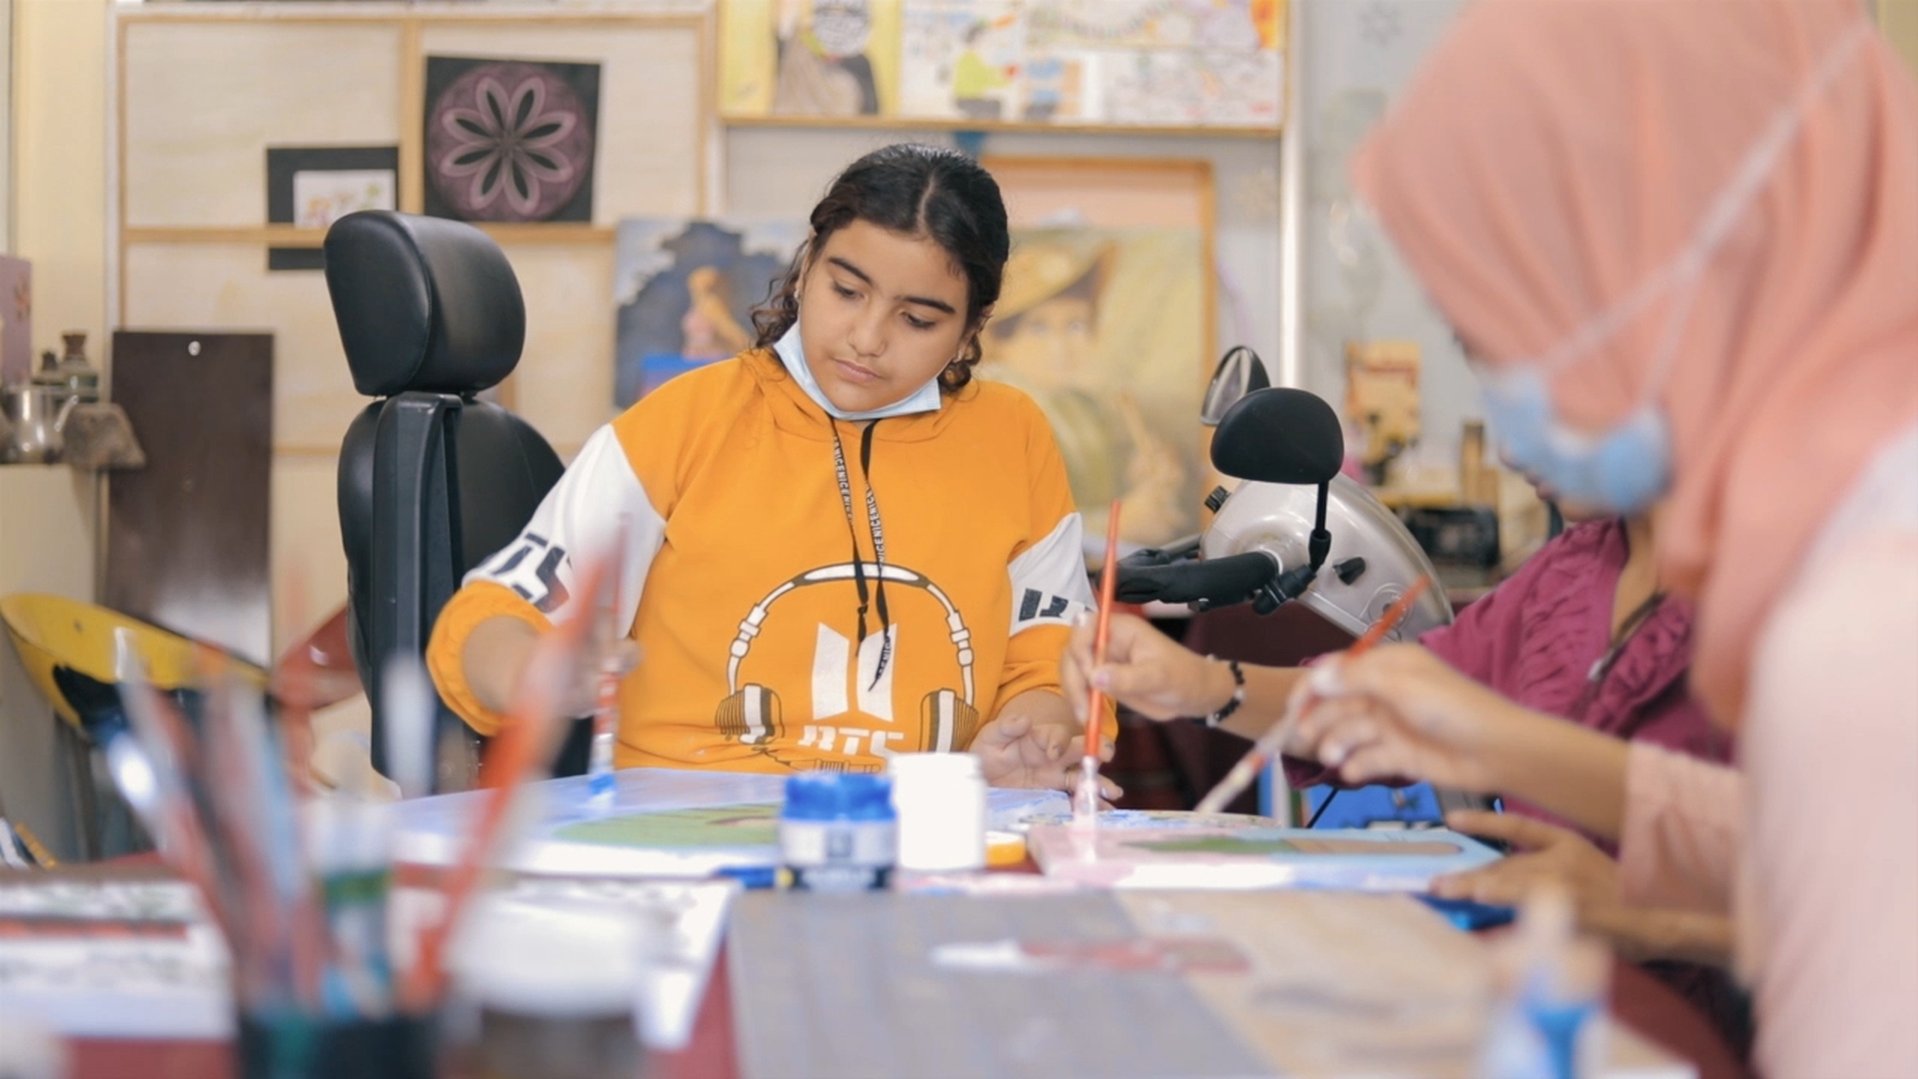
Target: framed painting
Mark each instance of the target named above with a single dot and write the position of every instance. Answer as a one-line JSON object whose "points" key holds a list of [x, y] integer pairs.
{"points": [[685, 291], [1106, 319], [510, 140], [808, 58]]}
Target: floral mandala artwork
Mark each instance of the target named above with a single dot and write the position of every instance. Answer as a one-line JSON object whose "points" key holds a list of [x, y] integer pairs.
{"points": [[508, 141]]}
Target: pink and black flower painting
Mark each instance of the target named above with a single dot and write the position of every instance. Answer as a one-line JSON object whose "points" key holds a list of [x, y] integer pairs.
{"points": [[510, 140]]}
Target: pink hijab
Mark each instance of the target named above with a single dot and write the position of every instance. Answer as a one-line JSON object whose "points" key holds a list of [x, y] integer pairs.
{"points": [[1552, 154]]}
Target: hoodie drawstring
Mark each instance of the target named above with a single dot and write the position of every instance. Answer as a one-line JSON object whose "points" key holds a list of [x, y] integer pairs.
{"points": [[878, 535]]}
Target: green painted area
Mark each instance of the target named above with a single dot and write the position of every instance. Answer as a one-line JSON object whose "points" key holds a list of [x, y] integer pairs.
{"points": [[1254, 845], [746, 825], [1217, 844]]}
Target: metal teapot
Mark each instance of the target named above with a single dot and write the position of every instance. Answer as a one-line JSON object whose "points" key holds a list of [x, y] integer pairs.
{"points": [[37, 415]]}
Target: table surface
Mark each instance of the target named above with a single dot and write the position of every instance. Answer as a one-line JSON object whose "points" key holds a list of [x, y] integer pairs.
{"points": [[1637, 999]]}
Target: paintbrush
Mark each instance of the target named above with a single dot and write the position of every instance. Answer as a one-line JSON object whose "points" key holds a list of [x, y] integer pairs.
{"points": [[1269, 743], [599, 767], [1085, 807], [292, 696], [524, 743], [253, 773], [148, 769]]}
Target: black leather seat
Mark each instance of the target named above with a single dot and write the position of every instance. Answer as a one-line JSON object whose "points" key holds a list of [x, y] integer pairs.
{"points": [[432, 480]]}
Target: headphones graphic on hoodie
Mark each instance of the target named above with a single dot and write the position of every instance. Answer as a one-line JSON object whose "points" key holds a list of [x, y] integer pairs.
{"points": [[752, 714]]}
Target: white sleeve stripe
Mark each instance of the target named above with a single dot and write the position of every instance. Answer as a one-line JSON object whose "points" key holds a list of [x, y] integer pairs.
{"points": [[581, 518], [1049, 585]]}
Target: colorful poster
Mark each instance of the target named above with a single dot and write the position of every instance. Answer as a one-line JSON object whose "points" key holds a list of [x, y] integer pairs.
{"points": [[1165, 62], [808, 57], [510, 140], [686, 290], [962, 61], [1174, 63]]}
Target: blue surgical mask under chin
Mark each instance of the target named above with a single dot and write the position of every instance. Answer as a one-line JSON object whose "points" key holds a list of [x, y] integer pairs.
{"points": [[793, 356], [1622, 470]]}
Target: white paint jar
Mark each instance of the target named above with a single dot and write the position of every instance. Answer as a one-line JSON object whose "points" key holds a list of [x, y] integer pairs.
{"points": [[941, 801]]}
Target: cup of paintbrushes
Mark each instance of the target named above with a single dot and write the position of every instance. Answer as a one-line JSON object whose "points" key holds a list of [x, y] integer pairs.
{"points": [[299, 1044], [340, 1017]]}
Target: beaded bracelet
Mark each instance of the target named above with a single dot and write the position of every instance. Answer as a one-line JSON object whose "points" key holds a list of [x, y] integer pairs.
{"points": [[1238, 693]]}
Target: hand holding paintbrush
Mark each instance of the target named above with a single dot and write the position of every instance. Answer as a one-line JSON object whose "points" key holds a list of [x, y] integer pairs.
{"points": [[524, 745], [1085, 801], [1269, 744]]}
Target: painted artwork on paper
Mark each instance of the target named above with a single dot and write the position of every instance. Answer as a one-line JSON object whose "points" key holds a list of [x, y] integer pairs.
{"points": [[321, 198], [749, 825], [1359, 859], [686, 290], [1164, 62], [1107, 329], [1163, 819], [808, 57], [510, 140], [664, 822], [1233, 846], [963, 61], [1180, 63]]}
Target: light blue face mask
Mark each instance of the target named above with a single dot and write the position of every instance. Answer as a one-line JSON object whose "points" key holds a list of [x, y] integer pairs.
{"points": [[1622, 470], [1625, 468], [793, 355]]}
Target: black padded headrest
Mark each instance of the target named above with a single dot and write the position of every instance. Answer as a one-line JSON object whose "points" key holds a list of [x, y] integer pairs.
{"points": [[423, 303]]}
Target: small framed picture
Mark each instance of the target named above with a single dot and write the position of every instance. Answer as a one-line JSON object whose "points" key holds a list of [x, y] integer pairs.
{"points": [[314, 186]]}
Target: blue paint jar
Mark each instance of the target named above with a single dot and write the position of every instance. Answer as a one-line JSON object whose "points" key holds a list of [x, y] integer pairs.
{"points": [[837, 833]]}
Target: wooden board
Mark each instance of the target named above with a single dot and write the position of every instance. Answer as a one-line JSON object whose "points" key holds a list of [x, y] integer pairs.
{"points": [[187, 535]]}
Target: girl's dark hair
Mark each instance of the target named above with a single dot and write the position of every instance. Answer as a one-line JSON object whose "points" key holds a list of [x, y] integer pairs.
{"points": [[913, 190]]}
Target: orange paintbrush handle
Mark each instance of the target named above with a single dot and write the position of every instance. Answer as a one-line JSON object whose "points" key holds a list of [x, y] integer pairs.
{"points": [[1107, 582], [1390, 620]]}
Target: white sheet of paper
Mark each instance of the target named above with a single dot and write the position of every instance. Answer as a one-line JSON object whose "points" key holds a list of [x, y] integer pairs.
{"points": [[684, 922], [120, 987]]}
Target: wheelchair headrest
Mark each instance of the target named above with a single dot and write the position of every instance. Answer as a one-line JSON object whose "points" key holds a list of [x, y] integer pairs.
{"points": [[423, 303]]}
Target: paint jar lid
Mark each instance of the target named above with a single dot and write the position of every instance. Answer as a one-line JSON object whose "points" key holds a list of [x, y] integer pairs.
{"points": [[837, 796]]}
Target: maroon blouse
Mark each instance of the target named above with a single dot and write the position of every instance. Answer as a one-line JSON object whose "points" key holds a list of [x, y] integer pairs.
{"points": [[1542, 636]]}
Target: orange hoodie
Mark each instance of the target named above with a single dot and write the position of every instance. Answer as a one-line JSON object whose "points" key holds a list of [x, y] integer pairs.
{"points": [[742, 588]]}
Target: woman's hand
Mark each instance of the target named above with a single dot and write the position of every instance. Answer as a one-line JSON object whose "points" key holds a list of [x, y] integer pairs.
{"points": [[1400, 712], [1547, 855], [1145, 670], [1542, 854]]}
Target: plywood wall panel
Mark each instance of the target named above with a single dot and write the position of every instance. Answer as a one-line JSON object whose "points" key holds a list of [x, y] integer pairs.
{"points": [[204, 100]]}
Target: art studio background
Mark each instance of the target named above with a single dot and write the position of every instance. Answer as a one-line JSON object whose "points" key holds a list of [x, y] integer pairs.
{"points": [[1173, 168]]}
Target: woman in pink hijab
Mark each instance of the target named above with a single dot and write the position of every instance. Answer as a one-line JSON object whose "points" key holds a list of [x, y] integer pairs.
{"points": [[1681, 242]]}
